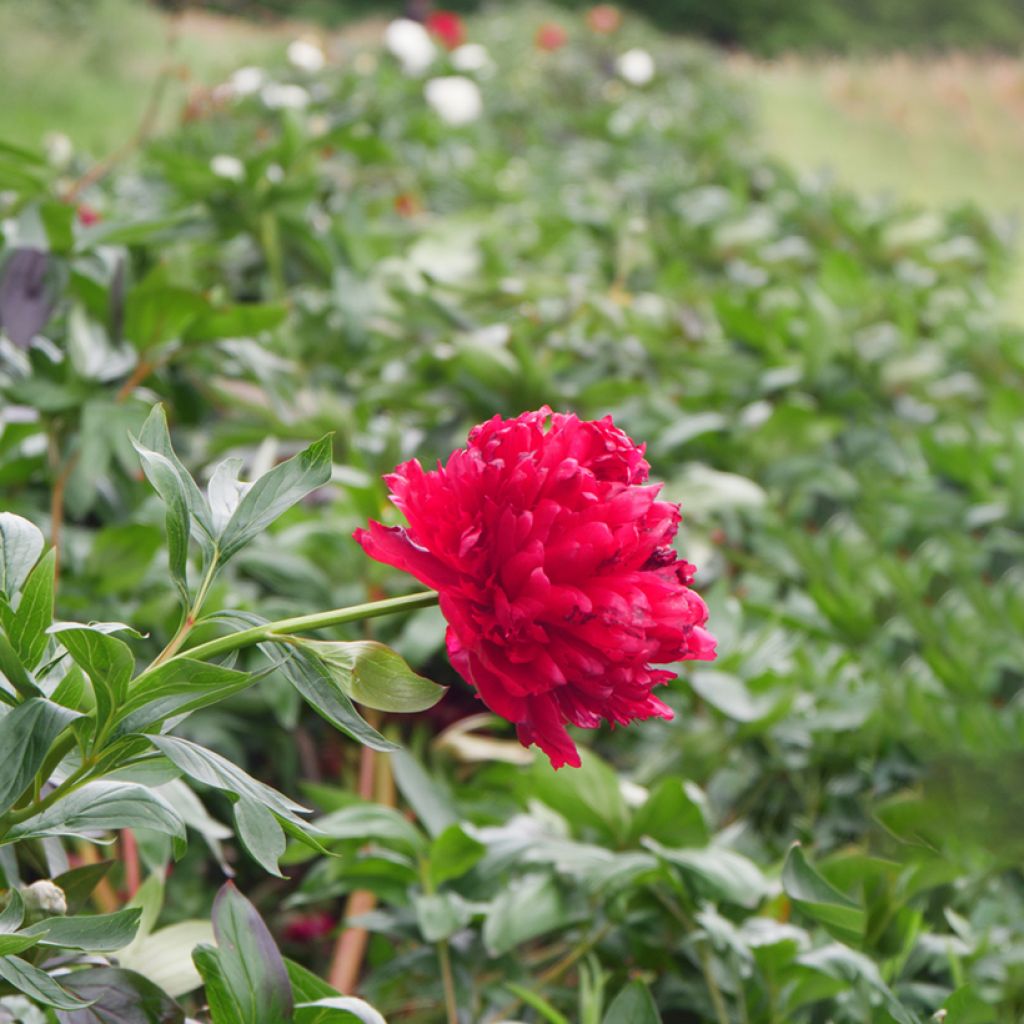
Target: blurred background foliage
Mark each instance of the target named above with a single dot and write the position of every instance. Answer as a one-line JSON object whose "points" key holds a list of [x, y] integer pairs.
{"points": [[827, 379]]}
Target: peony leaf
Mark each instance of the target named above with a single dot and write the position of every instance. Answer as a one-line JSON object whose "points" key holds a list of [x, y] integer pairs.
{"points": [[375, 676], [21, 544]]}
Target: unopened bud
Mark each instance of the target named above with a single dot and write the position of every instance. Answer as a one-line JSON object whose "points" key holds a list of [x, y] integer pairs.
{"points": [[44, 899]]}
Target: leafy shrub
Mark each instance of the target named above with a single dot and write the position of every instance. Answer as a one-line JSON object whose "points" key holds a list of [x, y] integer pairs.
{"points": [[823, 382]]}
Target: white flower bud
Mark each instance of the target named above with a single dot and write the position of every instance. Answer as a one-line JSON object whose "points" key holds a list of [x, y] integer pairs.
{"points": [[44, 899]]}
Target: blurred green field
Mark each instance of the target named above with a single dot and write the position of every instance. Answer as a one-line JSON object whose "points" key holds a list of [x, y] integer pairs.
{"points": [[87, 70], [940, 131]]}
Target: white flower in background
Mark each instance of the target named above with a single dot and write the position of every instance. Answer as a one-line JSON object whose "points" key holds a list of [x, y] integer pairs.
{"points": [[410, 42], [471, 57], [59, 148], [246, 81], [281, 96], [455, 98], [635, 66], [306, 55], [228, 167], [275, 174]]}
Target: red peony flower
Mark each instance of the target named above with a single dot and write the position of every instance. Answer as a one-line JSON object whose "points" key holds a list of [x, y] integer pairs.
{"points": [[555, 571], [448, 27], [604, 19], [550, 36]]}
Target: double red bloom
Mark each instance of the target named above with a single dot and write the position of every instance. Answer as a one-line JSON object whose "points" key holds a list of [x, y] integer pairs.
{"points": [[555, 571]]}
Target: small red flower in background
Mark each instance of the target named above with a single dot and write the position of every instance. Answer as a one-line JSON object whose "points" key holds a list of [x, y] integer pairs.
{"points": [[407, 205], [309, 927], [555, 571], [550, 36], [87, 216], [604, 19], [448, 27]]}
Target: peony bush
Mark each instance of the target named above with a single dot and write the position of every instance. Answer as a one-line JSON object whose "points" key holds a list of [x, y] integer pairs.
{"points": [[251, 774]]}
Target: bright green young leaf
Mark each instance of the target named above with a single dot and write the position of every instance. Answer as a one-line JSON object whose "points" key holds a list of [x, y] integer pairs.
{"points": [[27, 628], [108, 662], [26, 734], [12, 668], [452, 854], [237, 321], [21, 544], [274, 493], [17, 943], [633, 1005], [537, 1002], [820, 900], [321, 692], [253, 970], [218, 996], [375, 676]]}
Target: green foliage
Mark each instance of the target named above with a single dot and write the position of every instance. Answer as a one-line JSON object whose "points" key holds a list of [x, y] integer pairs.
{"points": [[828, 828]]}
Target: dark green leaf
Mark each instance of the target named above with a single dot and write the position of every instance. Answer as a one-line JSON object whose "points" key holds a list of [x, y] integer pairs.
{"points": [[26, 734], [101, 805], [253, 970], [426, 797], [633, 1005], [97, 933], [274, 493], [260, 833], [174, 688], [452, 854], [817, 898], [522, 910], [210, 769], [720, 873], [119, 997], [37, 985]]}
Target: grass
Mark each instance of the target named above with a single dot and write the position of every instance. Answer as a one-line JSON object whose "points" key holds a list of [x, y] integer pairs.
{"points": [[940, 131], [87, 70]]}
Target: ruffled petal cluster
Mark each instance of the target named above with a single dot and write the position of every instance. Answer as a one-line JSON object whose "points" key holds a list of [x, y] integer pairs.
{"points": [[554, 563]]}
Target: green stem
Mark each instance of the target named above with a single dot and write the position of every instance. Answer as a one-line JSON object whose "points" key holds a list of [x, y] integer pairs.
{"points": [[301, 624], [191, 616]]}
